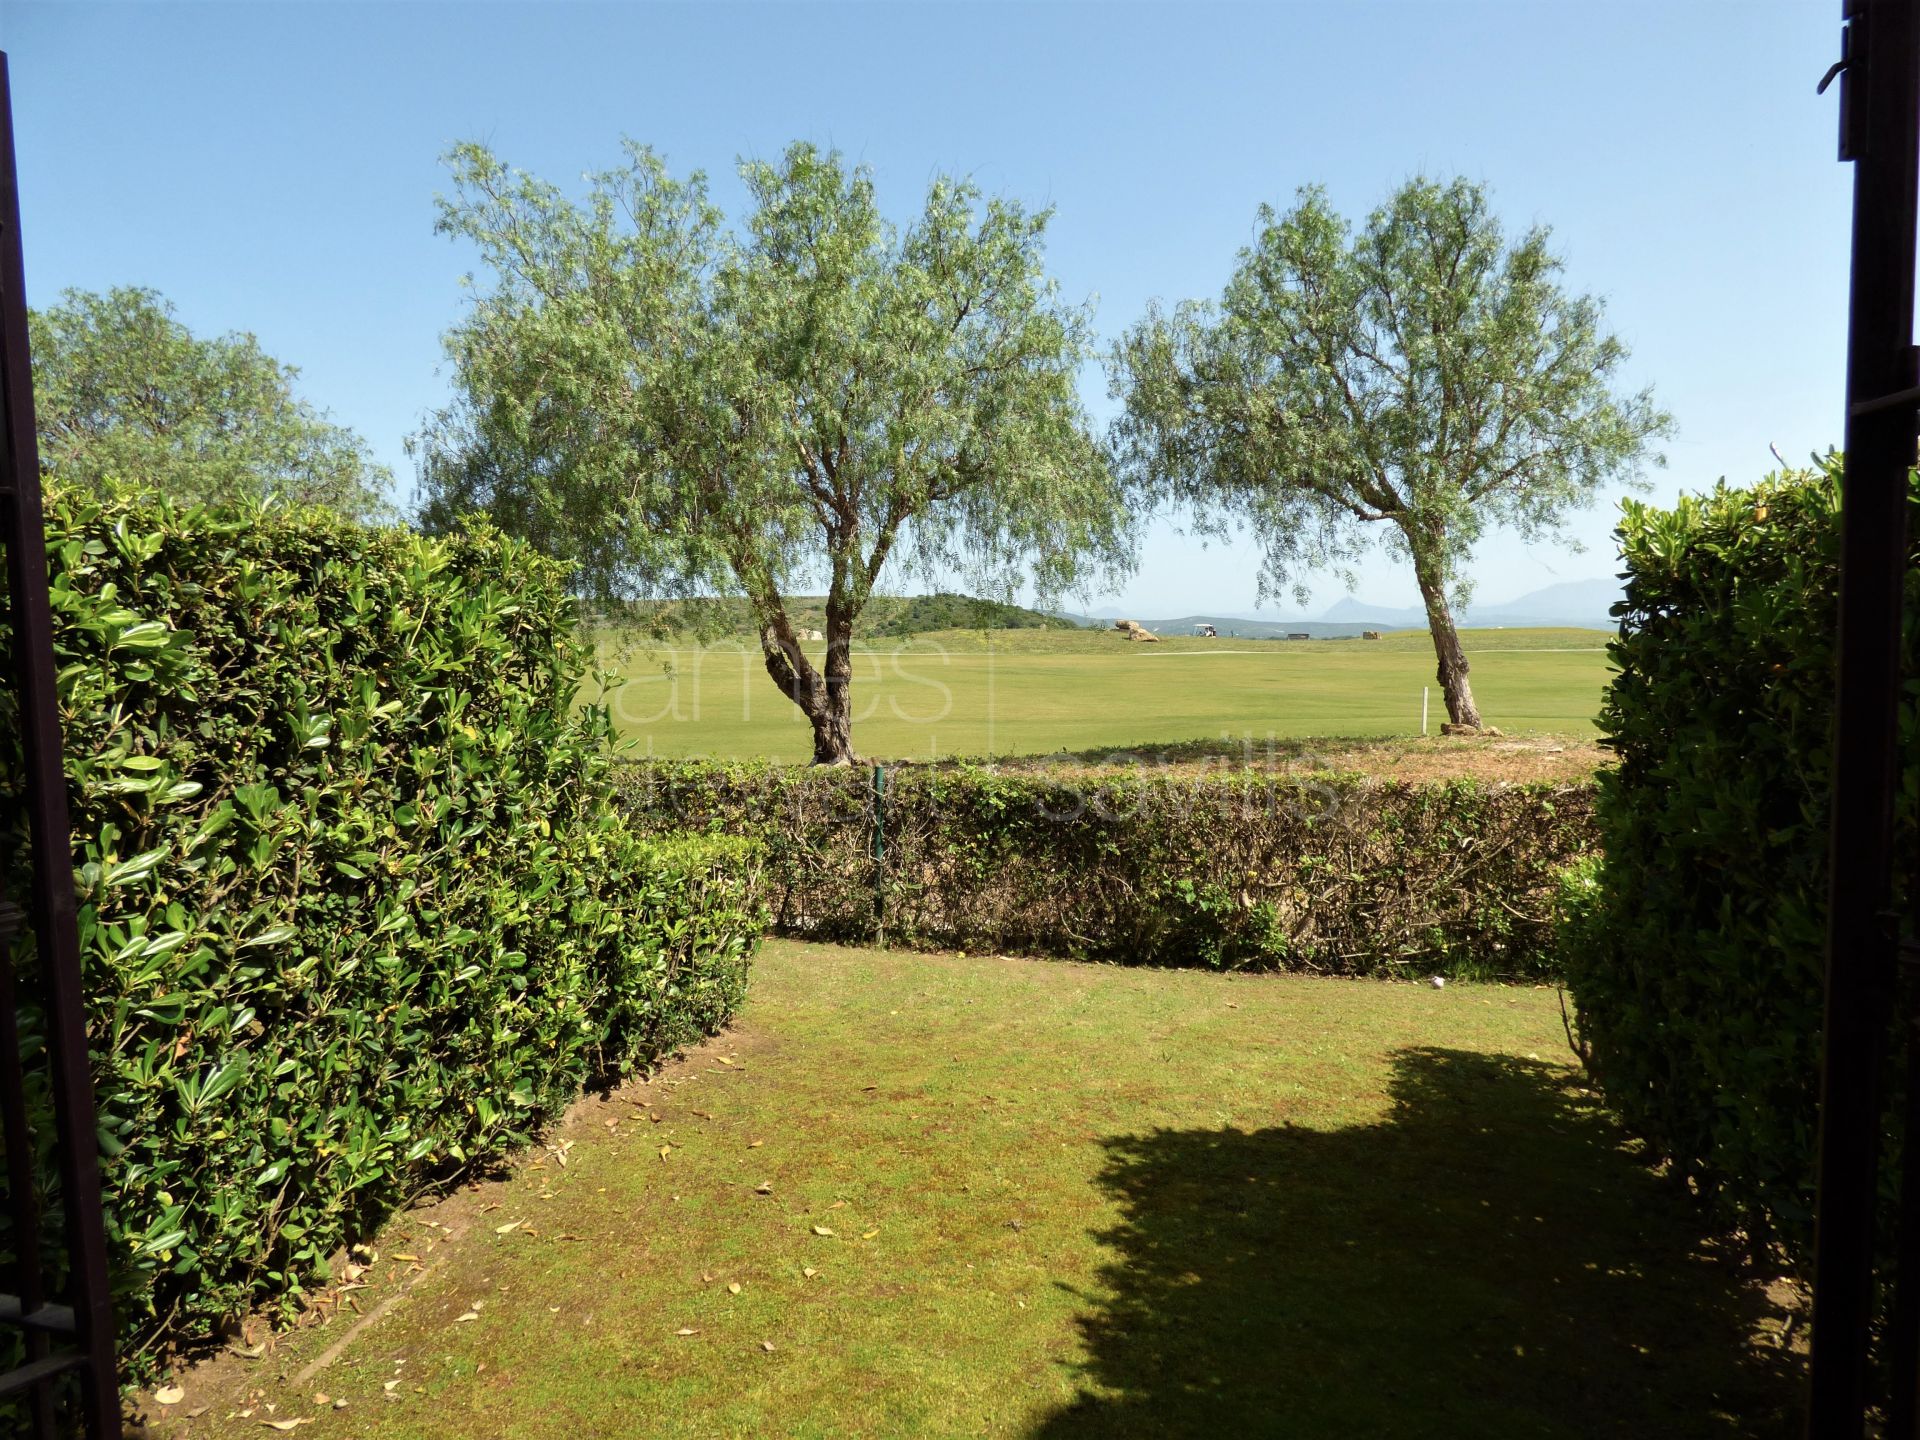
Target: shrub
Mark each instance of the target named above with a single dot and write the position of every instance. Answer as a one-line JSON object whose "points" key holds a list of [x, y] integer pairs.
{"points": [[1694, 951], [354, 912], [1338, 875]]}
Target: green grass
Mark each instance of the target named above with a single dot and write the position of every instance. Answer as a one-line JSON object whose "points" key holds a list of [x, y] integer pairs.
{"points": [[1031, 692], [1067, 1201]]}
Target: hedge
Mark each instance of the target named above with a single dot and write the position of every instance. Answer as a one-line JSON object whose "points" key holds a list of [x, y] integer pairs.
{"points": [[1335, 875], [1694, 950], [355, 913]]}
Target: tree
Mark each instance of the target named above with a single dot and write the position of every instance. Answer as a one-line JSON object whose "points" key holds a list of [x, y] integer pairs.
{"points": [[126, 394], [682, 408], [1421, 376]]}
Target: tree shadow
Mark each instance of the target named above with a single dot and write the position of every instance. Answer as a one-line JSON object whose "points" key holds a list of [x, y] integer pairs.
{"points": [[1487, 1260]]}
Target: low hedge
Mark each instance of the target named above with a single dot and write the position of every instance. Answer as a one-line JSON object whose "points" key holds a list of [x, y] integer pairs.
{"points": [[1336, 874], [1694, 951], [355, 913]]}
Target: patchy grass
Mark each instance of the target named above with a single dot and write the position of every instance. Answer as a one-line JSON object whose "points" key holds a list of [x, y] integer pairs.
{"points": [[1065, 1200], [1421, 760], [1026, 692]]}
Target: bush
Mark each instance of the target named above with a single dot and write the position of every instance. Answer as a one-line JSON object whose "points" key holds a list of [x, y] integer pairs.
{"points": [[354, 911], [919, 614], [1341, 875], [1694, 951]]}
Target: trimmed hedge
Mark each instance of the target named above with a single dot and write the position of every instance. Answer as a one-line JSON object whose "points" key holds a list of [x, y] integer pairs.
{"points": [[1694, 951], [354, 910], [1336, 875]]}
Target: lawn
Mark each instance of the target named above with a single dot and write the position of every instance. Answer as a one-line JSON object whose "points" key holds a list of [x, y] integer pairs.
{"points": [[928, 1195], [1030, 692]]}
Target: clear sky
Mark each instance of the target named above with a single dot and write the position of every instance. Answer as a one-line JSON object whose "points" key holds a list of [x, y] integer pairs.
{"points": [[272, 167]]}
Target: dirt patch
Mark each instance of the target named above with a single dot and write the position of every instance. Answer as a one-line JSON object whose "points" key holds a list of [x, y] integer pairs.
{"points": [[1500, 759]]}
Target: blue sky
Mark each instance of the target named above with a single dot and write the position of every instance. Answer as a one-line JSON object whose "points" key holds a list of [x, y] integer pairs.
{"points": [[272, 166]]}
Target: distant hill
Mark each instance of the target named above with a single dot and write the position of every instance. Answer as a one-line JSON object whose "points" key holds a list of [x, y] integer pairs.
{"points": [[1581, 604], [1238, 625], [917, 614], [893, 616], [1572, 602]]}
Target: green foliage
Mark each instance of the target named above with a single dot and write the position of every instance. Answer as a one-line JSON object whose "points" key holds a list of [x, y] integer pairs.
{"points": [[1332, 875], [678, 407], [1422, 376], [124, 393], [354, 911], [918, 614], [1694, 952]]}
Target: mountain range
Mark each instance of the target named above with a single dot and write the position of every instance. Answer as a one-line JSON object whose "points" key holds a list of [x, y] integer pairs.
{"points": [[1581, 603], [1572, 602]]}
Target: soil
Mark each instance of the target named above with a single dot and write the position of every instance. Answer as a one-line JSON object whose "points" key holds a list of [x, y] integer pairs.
{"points": [[1494, 759]]}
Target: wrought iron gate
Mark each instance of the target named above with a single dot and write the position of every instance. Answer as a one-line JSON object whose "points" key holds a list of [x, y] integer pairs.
{"points": [[74, 1339]]}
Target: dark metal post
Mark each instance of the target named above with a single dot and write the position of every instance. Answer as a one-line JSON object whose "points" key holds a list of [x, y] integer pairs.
{"points": [[879, 850], [91, 1320], [1880, 111]]}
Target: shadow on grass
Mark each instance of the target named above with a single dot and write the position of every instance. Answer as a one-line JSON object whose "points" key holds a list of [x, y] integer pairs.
{"points": [[1487, 1260]]}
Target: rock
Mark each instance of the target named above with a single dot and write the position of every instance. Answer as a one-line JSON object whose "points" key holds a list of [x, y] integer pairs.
{"points": [[1447, 727]]}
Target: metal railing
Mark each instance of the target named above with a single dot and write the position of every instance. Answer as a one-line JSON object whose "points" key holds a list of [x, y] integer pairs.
{"points": [[73, 1341], [1879, 74]]}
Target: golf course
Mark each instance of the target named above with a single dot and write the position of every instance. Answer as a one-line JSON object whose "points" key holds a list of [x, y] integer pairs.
{"points": [[1028, 692]]}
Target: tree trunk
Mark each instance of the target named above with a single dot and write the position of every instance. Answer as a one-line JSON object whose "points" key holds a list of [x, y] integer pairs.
{"points": [[833, 729], [1452, 672], [826, 700]]}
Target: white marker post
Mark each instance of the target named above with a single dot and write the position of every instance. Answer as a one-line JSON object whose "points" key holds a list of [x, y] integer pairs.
{"points": [[1424, 689]]}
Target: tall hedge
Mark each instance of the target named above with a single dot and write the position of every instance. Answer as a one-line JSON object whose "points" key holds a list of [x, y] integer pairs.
{"points": [[1332, 874], [354, 911], [1694, 950]]}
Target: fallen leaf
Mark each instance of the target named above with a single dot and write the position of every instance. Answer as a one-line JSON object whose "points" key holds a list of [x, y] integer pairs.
{"points": [[197, 1411], [169, 1395], [765, 1187], [249, 1352], [509, 1227], [388, 1385], [706, 1277], [838, 1205], [808, 1271], [402, 1255], [665, 1150], [470, 1315], [869, 1234], [821, 1230], [767, 1345], [686, 1330], [292, 1424], [734, 1288], [323, 1399], [723, 1060], [755, 1144]]}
